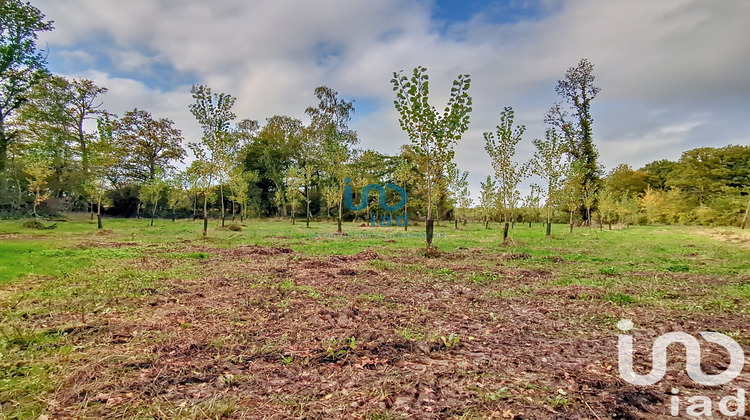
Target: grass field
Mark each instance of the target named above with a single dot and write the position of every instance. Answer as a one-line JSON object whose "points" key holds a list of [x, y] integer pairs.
{"points": [[280, 321]]}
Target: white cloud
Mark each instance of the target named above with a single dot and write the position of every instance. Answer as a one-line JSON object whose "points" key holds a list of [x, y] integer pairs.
{"points": [[661, 65]]}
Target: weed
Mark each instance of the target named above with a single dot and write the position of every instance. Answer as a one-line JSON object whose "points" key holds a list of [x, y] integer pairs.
{"points": [[618, 298], [410, 334], [451, 340], [610, 271]]}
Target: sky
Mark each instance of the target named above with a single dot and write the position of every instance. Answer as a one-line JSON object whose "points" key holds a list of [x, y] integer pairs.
{"points": [[674, 74]]}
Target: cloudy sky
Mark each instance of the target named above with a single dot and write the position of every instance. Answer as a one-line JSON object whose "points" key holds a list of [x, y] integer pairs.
{"points": [[674, 74]]}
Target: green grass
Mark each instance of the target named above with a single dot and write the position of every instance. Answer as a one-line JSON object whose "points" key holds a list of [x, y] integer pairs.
{"points": [[77, 269]]}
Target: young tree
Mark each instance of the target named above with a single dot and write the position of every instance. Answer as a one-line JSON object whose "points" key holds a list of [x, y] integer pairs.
{"points": [[509, 174], [96, 189], [330, 196], [293, 181], [104, 154], [549, 164], [37, 169], [458, 189], [488, 199], [571, 191], [532, 202], [177, 194], [214, 113], [589, 195], [22, 65], [239, 184], [309, 162], [578, 89], [608, 204], [151, 193], [405, 174], [330, 120], [432, 134]]}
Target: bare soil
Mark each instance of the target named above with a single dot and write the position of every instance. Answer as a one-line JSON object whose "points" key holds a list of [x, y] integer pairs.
{"points": [[287, 335]]}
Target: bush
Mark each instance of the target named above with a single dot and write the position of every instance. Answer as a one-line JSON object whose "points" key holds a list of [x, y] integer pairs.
{"points": [[234, 227], [35, 224]]}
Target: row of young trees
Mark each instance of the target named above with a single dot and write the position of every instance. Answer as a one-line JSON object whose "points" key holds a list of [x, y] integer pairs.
{"points": [[50, 153], [706, 186]]}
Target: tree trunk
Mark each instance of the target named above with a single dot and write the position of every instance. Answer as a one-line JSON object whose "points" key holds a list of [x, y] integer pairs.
{"points": [[221, 189], [430, 228], [173, 216], [406, 218], [138, 210], [18, 187], [571, 221], [99, 214], [233, 209], [4, 142], [549, 221], [307, 206], [294, 222], [341, 214], [505, 231], [588, 216], [205, 214], [153, 214], [744, 220], [456, 222], [242, 213], [34, 211]]}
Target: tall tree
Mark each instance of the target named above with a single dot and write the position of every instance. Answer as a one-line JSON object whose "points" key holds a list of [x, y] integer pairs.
{"points": [[330, 122], [152, 145], [84, 106], [54, 118], [502, 147], [22, 65], [274, 148], [549, 163], [432, 134], [578, 90]]}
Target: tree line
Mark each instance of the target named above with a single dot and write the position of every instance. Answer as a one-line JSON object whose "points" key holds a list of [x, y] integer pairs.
{"points": [[53, 160]]}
